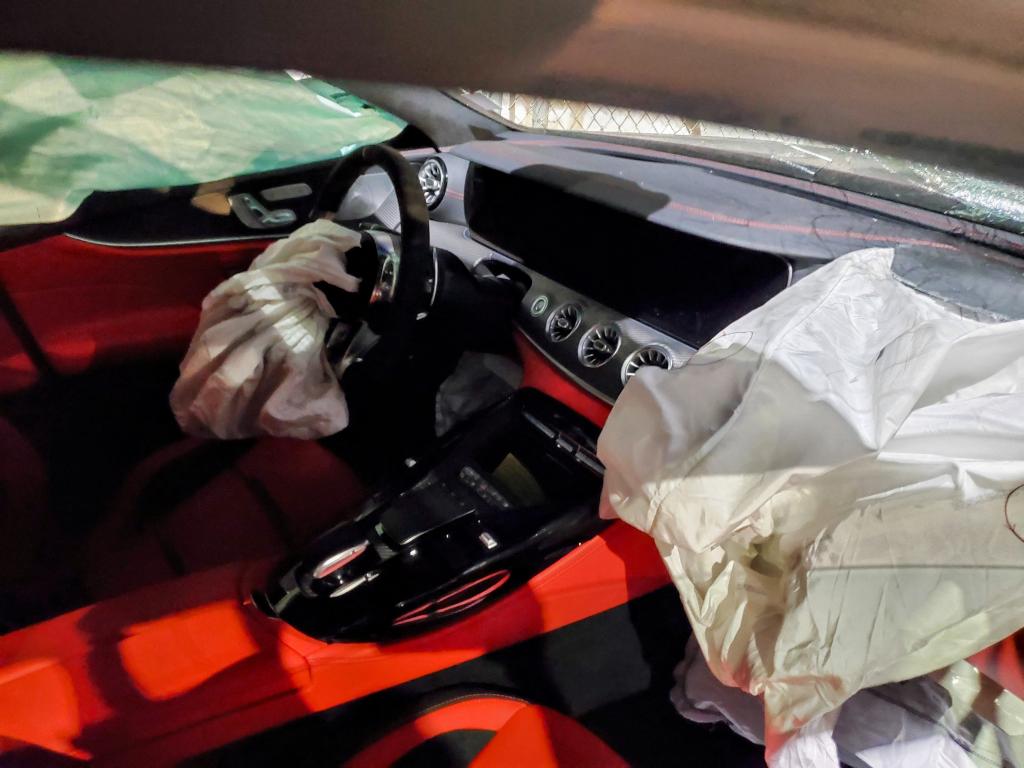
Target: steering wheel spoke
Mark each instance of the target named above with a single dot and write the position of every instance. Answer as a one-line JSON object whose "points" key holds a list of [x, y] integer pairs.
{"points": [[397, 267]]}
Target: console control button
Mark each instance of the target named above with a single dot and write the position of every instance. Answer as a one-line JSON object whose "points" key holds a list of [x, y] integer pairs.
{"points": [[484, 489]]}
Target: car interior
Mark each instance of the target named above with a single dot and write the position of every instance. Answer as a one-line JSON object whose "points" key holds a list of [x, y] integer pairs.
{"points": [[576, 262]]}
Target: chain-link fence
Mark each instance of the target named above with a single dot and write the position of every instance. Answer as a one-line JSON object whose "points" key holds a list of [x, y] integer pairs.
{"points": [[587, 117]]}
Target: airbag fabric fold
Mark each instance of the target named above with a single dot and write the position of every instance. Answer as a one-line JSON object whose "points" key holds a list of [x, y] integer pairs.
{"points": [[70, 127], [833, 483], [257, 364], [949, 719]]}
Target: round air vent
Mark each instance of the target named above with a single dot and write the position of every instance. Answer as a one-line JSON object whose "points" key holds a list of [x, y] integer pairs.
{"points": [[655, 356], [564, 321], [599, 345], [433, 179]]}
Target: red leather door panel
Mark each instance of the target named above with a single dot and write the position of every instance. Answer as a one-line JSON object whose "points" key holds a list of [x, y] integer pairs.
{"points": [[88, 304]]}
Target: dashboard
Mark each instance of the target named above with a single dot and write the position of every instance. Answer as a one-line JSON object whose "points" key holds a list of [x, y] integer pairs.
{"points": [[634, 261], [682, 285], [641, 293], [635, 257], [599, 347]]}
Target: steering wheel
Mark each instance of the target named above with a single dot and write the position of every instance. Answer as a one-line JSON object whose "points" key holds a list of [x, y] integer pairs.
{"points": [[396, 268]]}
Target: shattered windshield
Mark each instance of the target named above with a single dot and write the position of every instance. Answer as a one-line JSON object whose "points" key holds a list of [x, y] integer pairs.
{"points": [[935, 188], [70, 126]]}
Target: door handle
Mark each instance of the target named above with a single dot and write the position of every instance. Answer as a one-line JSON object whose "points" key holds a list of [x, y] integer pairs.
{"points": [[286, 192], [255, 215]]}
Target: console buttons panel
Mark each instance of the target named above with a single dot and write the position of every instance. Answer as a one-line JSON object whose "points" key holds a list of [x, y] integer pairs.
{"points": [[473, 479]]}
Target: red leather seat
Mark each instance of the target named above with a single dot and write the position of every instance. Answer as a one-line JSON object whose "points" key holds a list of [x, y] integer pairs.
{"points": [[542, 738], [201, 503], [524, 735]]}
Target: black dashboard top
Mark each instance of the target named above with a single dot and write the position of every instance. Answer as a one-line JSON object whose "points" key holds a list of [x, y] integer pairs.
{"points": [[636, 261]]}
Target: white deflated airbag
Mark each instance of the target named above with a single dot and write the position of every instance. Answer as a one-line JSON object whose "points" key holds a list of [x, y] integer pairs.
{"points": [[832, 481], [257, 364]]}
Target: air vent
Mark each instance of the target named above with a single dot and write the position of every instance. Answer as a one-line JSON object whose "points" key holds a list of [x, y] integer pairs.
{"points": [[433, 179], [599, 345], [655, 356], [564, 321]]}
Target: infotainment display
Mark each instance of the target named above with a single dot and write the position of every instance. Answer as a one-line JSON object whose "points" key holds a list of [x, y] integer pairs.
{"points": [[683, 285]]}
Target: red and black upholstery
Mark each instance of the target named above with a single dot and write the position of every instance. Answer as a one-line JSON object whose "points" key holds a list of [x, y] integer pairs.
{"points": [[201, 503], [75, 316], [489, 732]]}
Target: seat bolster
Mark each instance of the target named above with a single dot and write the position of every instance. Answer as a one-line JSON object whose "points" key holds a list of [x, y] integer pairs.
{"points": [[542, 738], [197, 504]]}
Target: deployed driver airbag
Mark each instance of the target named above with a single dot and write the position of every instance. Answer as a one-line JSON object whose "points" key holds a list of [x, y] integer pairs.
{"points": [[257, 363], [834, 483]]}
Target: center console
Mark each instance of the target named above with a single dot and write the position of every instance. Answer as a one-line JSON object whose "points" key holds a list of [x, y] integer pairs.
{"points": [[482, 513]]}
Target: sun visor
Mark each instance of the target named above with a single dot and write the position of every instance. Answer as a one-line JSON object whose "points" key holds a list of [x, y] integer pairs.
{"points": [[835, 483]]}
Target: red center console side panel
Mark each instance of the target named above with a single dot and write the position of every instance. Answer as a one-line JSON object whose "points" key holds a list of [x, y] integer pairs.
{"points": [[539, 373], [175, 670]]}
